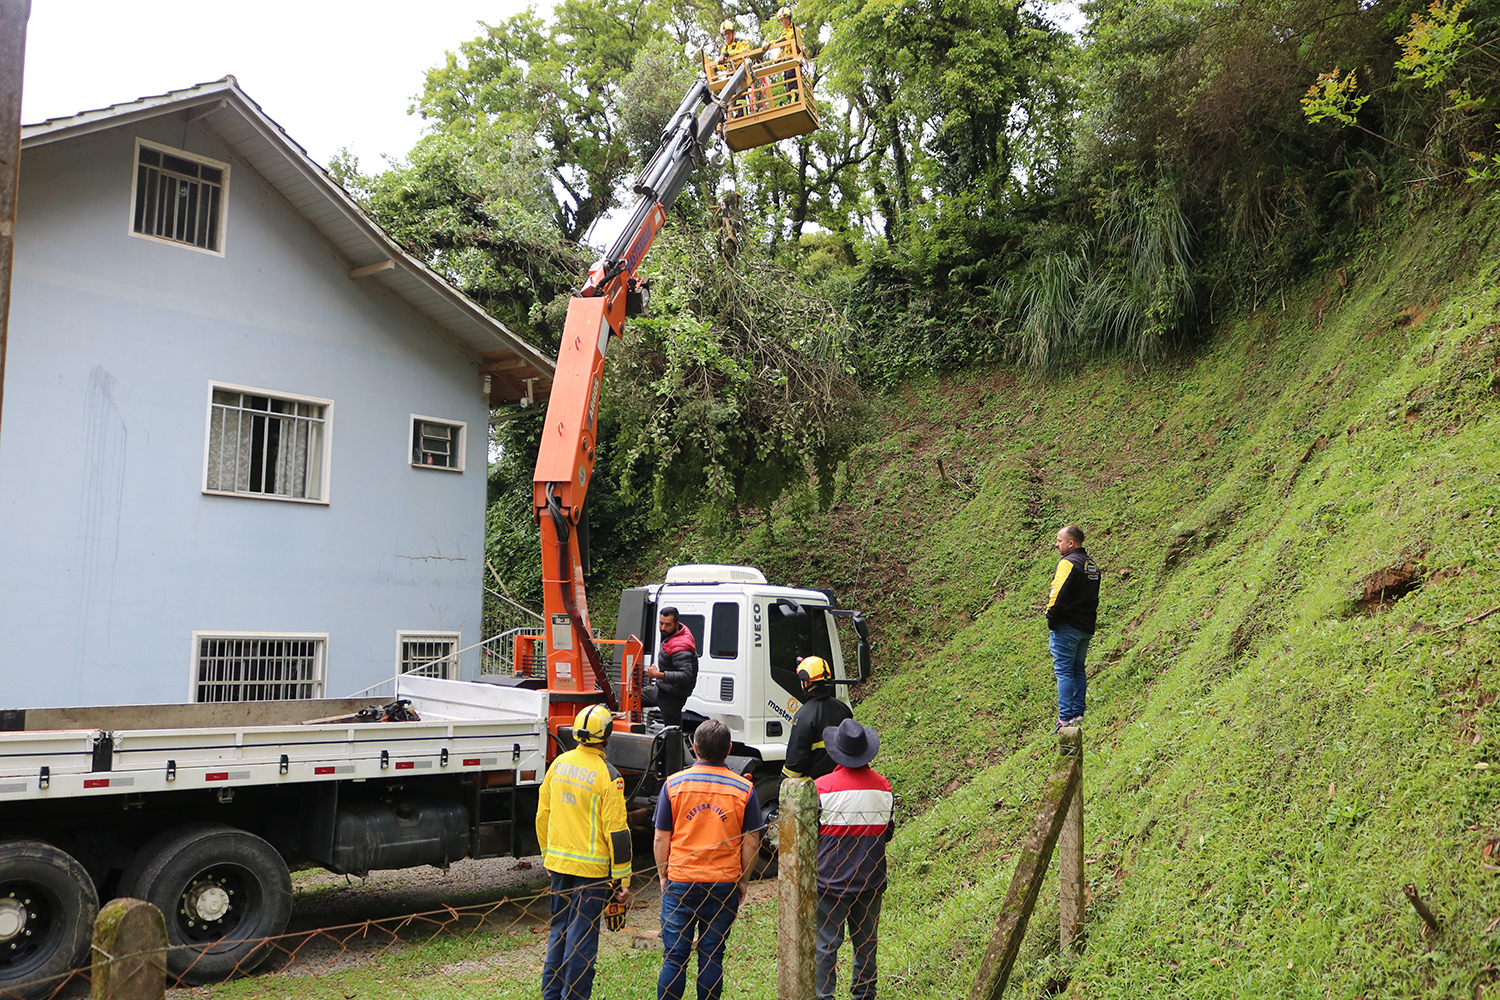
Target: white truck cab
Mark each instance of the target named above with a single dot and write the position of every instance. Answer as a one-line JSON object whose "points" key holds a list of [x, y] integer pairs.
{"points": [[749, 635]]}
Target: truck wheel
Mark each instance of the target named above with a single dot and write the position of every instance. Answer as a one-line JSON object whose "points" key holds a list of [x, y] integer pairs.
{"points": [[47, 911], [768, 792], [222, 891]]}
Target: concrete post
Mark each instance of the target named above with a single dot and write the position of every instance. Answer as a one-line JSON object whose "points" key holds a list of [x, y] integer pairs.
{"points": [[1070, 845], [130, 952], [797, 890]]}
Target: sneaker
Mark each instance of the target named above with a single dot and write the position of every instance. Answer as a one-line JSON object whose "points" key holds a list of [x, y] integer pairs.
{"points": [[1077, 720], [1059, 727]]}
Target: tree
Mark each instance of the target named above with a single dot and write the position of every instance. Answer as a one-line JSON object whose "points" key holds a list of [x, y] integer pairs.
{"points": [[476, 210], [562, 83]]}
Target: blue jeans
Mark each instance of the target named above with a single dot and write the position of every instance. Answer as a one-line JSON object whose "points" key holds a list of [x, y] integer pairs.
{"points": [[1069, 647], [710, 907], [861, 913], [573, 940]]}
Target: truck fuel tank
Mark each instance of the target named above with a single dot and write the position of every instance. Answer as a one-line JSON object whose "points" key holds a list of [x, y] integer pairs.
{"points": [[402, 833]]}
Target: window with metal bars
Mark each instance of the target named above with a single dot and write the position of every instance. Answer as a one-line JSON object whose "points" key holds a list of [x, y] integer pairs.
{"points": [[264, 445], [429, 655], [437, 444], [179, 198], [260, 668]]}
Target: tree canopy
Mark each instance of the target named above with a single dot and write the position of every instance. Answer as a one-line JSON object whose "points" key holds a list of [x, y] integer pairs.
{"points": [[985, 187]]}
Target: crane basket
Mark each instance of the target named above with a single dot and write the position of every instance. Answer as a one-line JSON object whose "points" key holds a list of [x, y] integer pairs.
{"points": [[778, 103]]}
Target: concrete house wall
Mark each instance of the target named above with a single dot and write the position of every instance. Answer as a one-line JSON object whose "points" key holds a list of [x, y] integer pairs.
{"points": [[111, 554]]}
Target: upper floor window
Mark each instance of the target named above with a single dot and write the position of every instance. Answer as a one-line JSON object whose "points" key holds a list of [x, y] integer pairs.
{"points": [[260, 444], [179, 197], [437, 444]]}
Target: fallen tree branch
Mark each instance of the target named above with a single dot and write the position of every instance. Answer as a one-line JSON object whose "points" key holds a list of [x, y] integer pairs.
{"points": [[1421, 907], [1472, 619]]}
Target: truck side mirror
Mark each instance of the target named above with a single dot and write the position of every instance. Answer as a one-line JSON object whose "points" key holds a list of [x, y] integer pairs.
{"points": [[862, 658], [790, 608], [861, 627]]}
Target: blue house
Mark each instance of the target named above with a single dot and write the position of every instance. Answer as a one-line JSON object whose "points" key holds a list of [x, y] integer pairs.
{"points": [[244, 442]]}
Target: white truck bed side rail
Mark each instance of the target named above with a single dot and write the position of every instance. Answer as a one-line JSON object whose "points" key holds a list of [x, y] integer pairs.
{"points": [[464, 727]]}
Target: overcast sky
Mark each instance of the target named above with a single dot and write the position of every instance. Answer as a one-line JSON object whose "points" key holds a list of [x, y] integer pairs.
{"points": [[333, 74]]}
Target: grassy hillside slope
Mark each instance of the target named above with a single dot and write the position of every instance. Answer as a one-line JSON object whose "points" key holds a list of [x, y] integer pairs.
{"points": [[1290, 716]]}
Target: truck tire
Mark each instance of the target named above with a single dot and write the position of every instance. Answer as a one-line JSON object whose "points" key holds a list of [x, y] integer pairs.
{"points": [[768, 792], [47, 911], [222, 891]]}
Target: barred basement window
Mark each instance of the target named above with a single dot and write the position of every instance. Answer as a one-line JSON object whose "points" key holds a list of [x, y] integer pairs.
{"points": [[179, 197], [437, 444], [265, 445], [258, 668], [429, 655]]}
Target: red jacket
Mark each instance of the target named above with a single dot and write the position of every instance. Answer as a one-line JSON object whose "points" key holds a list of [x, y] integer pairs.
{"points": [[678, 660], [856, 818]]}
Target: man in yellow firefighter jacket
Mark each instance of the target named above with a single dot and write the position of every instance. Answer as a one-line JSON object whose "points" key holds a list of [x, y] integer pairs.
{"points": [[585, 845]]}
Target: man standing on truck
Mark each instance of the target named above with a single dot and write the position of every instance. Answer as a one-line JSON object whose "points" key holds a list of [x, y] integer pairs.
{"points": [[855, 821], [676, 668], [585, 844], [1072, 614], [806, 756], [708, 824]]}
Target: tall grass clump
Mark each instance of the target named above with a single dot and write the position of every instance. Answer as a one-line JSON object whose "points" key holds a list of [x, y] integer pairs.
{"points": [[1130, 290]]}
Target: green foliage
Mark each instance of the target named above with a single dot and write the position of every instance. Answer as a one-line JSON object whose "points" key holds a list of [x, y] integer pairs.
{"points": [[732, 389], [562, 84], [1131, 289], [953, 103], [1332, 96], [1433, 45], [475, 211], [1272, 749]]}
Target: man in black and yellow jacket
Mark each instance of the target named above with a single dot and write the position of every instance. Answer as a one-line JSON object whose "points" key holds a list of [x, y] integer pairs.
{"points": [[585, 844], [806, 756], [1072, 616]]}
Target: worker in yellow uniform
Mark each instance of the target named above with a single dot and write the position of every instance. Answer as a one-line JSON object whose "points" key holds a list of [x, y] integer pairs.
{"points": [[733, 52], [585, 845], [784, 47], [787, 44], [733, 49]]}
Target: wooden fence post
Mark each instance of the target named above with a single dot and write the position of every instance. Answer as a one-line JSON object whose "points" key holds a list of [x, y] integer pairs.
{"points": [[130, 952], [1026, 884], [797, 890], [1070, 846]]}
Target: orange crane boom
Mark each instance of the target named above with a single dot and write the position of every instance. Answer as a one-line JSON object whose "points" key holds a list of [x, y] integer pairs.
{"points": [[576, 672]]}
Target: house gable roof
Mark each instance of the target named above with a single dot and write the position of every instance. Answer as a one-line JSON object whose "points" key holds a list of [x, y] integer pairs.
{"points": [[257, 144]]}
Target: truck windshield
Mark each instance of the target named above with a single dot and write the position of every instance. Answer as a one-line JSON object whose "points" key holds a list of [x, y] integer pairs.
{"points": [[794, 638]]}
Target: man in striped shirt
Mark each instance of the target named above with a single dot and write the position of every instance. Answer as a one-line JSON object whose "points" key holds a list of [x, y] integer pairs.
{"points": [[856, 819]]}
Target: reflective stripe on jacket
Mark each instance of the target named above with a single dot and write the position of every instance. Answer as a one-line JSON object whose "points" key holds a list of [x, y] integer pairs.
{"points": [[580, 817], [806, 757], [708, 805]]}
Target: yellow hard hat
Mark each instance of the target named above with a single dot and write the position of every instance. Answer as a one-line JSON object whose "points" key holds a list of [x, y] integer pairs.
{"points": [[593, 725], [813, 670], [784, 12], [728, 25]]}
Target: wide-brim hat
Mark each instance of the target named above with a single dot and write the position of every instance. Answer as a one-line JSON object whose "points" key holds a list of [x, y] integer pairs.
{"points": [[851, 743]]}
